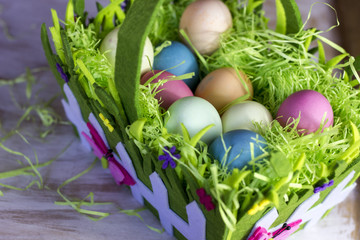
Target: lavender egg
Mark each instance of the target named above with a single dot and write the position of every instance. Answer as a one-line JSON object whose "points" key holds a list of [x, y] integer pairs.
{"points": [[312, 107]]}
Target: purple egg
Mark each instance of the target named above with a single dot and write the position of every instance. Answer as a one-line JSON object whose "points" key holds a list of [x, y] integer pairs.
{"points": [[171, 91], [312, 106]]}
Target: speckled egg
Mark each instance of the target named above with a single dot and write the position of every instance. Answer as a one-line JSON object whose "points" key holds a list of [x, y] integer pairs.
{"points": [[223, 86], [170, 91], [240, 153], [204, 21], [178, 60], [311, 106], [195, 113], [244, 115], [109, 44]]}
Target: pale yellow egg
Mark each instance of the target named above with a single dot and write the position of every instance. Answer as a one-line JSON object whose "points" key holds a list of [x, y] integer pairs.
{"points": [[109, 44], [246, 115]]}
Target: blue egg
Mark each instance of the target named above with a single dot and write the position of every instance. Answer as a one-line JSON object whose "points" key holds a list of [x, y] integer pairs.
{"points": [[240, 153], [172, 56]]}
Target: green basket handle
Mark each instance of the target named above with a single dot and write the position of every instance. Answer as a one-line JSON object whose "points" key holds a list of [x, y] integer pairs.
{"points": [[131, 40]]}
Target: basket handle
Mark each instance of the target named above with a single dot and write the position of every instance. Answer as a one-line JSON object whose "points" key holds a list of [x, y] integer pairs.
{"points": [[131, 40]]}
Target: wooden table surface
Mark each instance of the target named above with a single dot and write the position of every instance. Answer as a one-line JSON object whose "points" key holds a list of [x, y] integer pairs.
{"points": [[32, 214]]}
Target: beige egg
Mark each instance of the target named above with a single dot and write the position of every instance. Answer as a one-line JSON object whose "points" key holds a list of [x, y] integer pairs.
{"points": [[204, 21], [223, 86]]}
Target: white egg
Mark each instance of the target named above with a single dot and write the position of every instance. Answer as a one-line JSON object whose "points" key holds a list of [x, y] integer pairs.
{"points": [[108, 46], [204, 21], [195, 113], [244, 115]]}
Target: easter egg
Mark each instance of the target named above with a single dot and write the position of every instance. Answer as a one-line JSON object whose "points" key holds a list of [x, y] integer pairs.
{"points": [[195, 113], [204, 21], [244, 115], [223, 86], [170, 91], [311, 106], [109, 44], [240, 153], [178, 60]]}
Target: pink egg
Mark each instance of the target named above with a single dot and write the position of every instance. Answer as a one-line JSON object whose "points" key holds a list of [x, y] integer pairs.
{"points": [[171, 91], [312, 106]]}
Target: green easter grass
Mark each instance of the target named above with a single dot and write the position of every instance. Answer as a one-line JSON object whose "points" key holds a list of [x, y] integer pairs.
{"points": [[277, 64], [38, 111]]}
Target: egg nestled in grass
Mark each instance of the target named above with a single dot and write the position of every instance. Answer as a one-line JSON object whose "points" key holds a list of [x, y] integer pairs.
{"points": [[245, 115], [235, 149], [204, 21], [196, 114], [170, 91], [178, 60], [312, 107], [109, 44], [223, 86]]}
